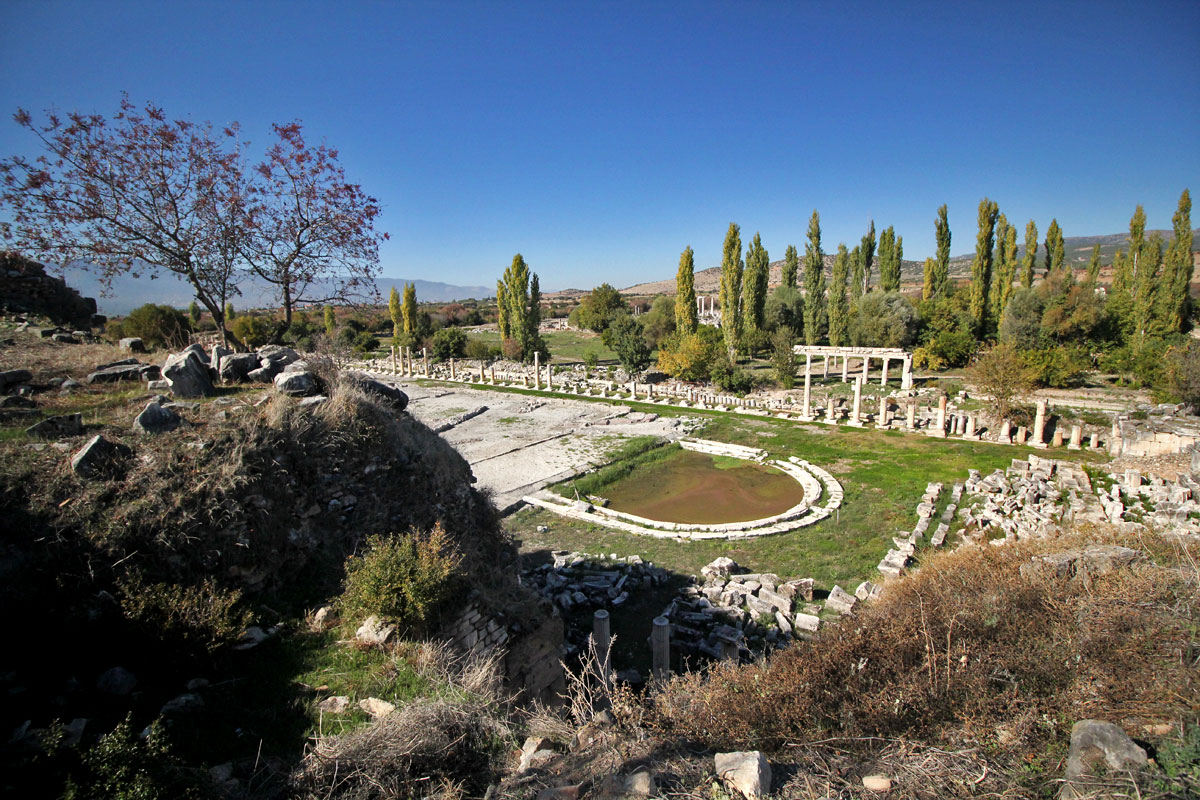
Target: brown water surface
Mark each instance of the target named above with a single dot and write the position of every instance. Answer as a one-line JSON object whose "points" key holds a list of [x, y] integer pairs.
{"points": [[690, 487]]}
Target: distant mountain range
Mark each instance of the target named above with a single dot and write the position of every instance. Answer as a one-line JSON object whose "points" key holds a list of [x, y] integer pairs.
{"points": [[127, 293]]}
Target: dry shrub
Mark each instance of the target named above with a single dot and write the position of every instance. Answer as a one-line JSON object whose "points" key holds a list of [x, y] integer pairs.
{"points": [[966, 646], [429, 748], [190, 619]]}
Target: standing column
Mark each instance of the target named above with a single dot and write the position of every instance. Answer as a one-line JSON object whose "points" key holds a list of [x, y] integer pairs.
{"points": [[1114, 439], [807, 363], [492, 370], [856, 414], [1005, 431], [425, 356], [826, 361], [602, 634], [906, 374], [393, 349], [970, 431], [829, 413], [1039, 425], [912, 416], [845, 367], [806, 414], [537, 370], [883, 377], [866, 368], [940, 429], [660, 648], [453, 371], [481, 378], [882, 421], [1076, 442]]}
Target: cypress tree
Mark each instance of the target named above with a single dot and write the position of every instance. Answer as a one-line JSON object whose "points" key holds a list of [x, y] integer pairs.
{"points": [[395, 312], [1055, 253], [887, 257], [1179, 265], [856, 278], [898, 267], [408, 308], [686, 316], [532, 340], [791, 266], [868, 257], [941, 276], [1031, 246], [731, 288], [502, 321], [929, 275], [839, 307], [981, 266], [998, 268], [330, 321], [814, 283], [1093, 268], [1010, 270], [754, 285]]}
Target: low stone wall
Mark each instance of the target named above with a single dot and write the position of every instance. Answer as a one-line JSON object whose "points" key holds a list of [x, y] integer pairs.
{"points": [[532, 654]]}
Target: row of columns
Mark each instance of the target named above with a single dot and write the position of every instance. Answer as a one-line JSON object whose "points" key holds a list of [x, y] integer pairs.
{"points": [[706, 305], [905, 371]]}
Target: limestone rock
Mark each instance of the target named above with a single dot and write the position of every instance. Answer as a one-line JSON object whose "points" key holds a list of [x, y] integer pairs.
{"points": [[277, 356], [840, 600], [187, 372], [375, 707], [322, 618], [264, 374], [877, 783], [1095, 743], [721, 567], [57, 427], [235, 367], [156, 419], [14, 377], [132, 344], [118, 681], [641, 784], [128, 370], [98, 456], [334, 705], [390, 393], [297, 384], [374, 631], [747, 772], [1095, 560]]}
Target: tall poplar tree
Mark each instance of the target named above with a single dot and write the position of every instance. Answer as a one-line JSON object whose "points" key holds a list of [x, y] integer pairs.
{"points": [[1031, 247], [731, 288], [519, 296], [888, 273], [1055, 252], [687, 319], [791, 266], [1093, 267], [395, 311], [814, 283], [408, 308], [754, 285], [929, 277], [941, 275], [998, 267], [868, 256], [1005, 267], [1179, 266], [981, 266], [856, 276], [839, 305]]}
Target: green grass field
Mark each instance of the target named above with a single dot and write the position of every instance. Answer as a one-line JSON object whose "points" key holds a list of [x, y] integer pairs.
{"points": [[565, 346]]}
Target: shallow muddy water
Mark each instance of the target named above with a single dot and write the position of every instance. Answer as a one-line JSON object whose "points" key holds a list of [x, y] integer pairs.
{"points": [[691, 487]]}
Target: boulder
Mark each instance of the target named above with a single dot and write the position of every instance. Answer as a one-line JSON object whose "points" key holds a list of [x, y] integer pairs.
{"points": [[1097, 745], [297, 384], [114, 373], [746, 772], [183, 704], [218, 352], [386, 391], [721, 567], [277, 355], [376, 708], [132, 344], [235, 367], [118, 681], [840, 600], [877, 783], [187, 372], [1097, 559], [16, 401], [98, 457], [374, 631], [65, 338], [334, 705], [264, 374], [156, 419], [57, 427], [14, 377]]}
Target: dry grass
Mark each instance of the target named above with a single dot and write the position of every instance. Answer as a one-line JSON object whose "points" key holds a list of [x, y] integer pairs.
{"points": [[969, 654]]}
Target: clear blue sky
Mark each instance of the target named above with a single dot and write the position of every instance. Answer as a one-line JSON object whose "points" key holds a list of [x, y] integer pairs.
{"points": [[598, 139]]}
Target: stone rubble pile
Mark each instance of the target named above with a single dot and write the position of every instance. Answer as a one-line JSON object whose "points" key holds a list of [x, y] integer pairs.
{"points": [[734, 614], [898, 558], [1133, 499]]}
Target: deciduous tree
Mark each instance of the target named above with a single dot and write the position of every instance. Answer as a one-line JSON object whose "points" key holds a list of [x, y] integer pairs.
{"points": [[839, 305], [519, 296], [408, 310], [396, 312], [814, 283], [791, 266], [868, 257], [941, 275], [754, 301], [889, 262], [1030, 257], [856, 273], [981, 266], [686, 316], [1178, 267], [1055, 252], [731, 288]]}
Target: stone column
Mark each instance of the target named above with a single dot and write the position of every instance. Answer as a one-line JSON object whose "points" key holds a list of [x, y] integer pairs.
{"points": [[633, 390], [481, 375], [829, 413], [856, 414], [393, 349], [845, 367], [602, 634], [970, 431], [1114, 439], [866, 368], [882, 420], [1039, 425], [453, 371], [492, 370], [660, 648], [537, 370], [1021, 434], [883, 377], [939, 429], [906, 374], [1057, 439], [912, 416], [1094, 442], [806, 414], [1076, 442], [1005, 430], [549, 378], [807, 363], [425, 357], [825, 359]]}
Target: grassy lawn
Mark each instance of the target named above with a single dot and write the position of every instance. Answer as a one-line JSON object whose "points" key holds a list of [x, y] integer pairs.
{"points": [[565, 346], [883, 475]]}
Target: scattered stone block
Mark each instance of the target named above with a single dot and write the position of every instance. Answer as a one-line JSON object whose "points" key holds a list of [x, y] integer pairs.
{"points": [[297, 384], [374, 631], [154, 418], [334, 705], [98, 457], [749, 773], [187, 372], [57, 427], [376, 708], [132, 344], [840, 601], [1097, 745]]}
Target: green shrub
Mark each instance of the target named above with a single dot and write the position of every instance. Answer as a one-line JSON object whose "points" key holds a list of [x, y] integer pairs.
{"points": [[590, 359], [365, 342], [156, 326], [124, 766], [449, 343], [190, 620], [1059, 367], [478, 349], [731, 378], [253, 331], [406, 578]]}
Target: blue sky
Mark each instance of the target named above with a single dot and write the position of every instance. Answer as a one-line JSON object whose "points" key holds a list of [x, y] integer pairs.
{"points": [[598, 139]]}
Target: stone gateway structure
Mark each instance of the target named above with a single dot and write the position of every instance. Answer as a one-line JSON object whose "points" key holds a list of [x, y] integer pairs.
{"points": [[833, 356]]}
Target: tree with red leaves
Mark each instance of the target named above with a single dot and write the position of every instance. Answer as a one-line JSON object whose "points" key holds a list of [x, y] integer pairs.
{"points": [[138, 193], [311, 232]]}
